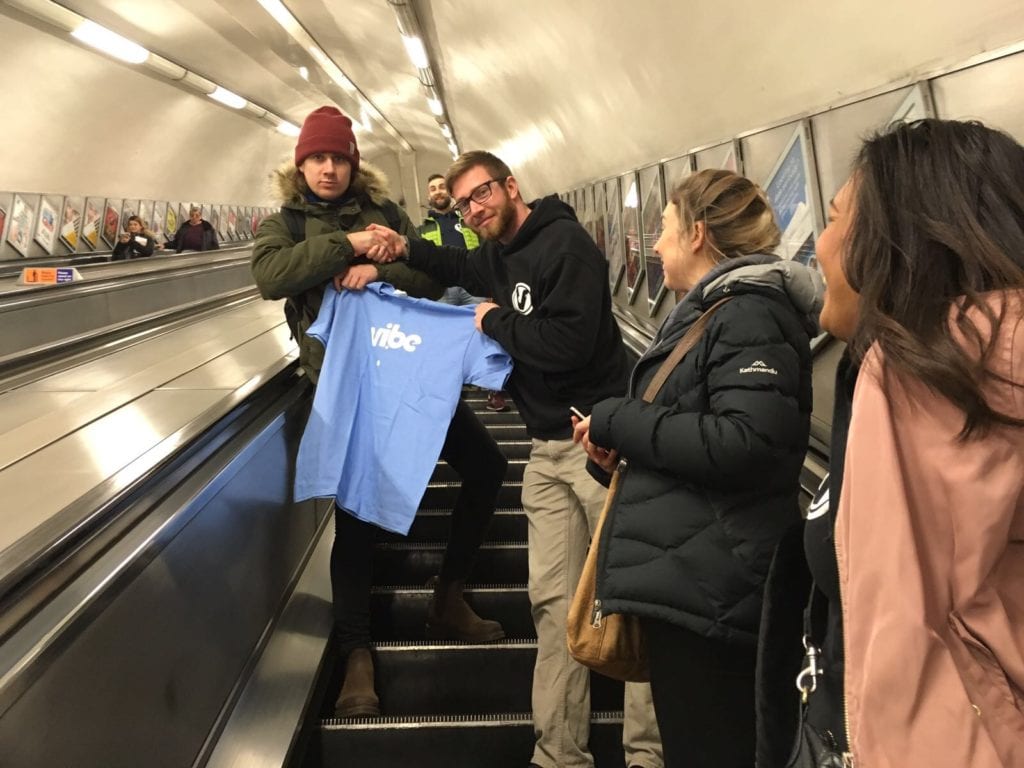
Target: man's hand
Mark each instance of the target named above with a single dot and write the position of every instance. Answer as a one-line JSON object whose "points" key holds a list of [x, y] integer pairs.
{"points": [[603, 457], [368, 242], [356, 277], [482, 309], [389, 245]]}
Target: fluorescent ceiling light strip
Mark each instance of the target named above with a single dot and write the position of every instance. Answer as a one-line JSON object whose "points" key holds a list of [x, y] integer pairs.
{"points": [[298, 33], [436, 107], [101, 38], [227, 98], [288, 129], [417, 53]]}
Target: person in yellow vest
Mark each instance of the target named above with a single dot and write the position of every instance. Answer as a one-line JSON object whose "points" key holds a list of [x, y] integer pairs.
{"points": [[444, 226]]}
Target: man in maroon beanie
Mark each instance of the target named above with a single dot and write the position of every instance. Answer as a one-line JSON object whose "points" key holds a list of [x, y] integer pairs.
{"points": [[329, 198]]}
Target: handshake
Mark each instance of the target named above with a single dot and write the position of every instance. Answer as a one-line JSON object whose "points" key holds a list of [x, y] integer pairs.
{"points": [[379, 244]]}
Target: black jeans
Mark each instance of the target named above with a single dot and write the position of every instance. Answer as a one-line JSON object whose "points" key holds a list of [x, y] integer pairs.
{"points": [[703, 693], [472, 452]]}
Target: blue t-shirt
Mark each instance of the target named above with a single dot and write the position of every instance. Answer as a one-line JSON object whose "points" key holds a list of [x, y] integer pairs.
{"points": [[393, 370]]}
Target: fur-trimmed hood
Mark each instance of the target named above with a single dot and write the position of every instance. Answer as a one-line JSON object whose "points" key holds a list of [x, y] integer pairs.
{"points": [[369, 182]]}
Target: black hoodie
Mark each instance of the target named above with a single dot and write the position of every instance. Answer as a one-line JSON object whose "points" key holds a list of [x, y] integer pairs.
{"points": [[554, 313]]}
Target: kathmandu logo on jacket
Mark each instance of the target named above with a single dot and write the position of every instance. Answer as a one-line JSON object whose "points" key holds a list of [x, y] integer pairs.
{"points": [[391, 337], [522, 299], [759, 366]]}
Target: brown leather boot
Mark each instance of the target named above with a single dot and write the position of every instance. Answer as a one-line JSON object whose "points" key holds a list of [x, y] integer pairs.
{"points": [[449, 617], [357, 697]]}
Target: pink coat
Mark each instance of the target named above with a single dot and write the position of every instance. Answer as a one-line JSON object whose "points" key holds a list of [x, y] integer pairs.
{"points": [[930, 542]]}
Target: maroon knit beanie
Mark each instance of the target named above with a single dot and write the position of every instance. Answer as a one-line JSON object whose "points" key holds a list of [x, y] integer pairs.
{"points": [[327, 130]]}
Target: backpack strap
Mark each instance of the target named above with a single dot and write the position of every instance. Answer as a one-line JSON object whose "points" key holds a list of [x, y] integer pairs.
{"points": [[391, 214], [296, 223]]}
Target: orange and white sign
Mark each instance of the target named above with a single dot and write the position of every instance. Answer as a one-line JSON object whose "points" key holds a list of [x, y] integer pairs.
{"points": [[48, 275]]}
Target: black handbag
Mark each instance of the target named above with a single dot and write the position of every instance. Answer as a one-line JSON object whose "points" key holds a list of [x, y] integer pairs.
{"points": [[813, 748]]}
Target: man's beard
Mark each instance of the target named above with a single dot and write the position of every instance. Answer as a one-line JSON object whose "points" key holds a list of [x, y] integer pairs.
{"points": [[500, 223], [441, 203]]}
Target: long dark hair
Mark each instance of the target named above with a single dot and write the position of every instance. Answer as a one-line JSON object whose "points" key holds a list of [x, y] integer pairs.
{"points": [[938, 221]]}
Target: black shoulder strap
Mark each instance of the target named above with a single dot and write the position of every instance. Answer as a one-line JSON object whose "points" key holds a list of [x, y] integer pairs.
{"points": [[391, 214], [296, 223]]}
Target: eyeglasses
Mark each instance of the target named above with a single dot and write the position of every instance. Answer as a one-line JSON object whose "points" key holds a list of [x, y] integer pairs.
{"points": [[479, 195]]}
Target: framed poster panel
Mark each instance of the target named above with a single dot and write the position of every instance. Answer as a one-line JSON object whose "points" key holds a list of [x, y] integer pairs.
{"points": [[674, 171], [632, 232], [917, 106], [183, 213], [47, 225], [615, 239], [171, 221], [255, 219], [214, 219], [159, 220], [726, 155], [232, 227], [652, 203], [3, 222], [792, 190], [145, 212], [130, 208], [71, 222], [19, 230], [599, 219], [111, 222], [92, 221]]}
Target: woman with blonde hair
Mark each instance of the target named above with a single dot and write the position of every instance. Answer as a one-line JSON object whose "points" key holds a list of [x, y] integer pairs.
{"points": [[709, 470]]}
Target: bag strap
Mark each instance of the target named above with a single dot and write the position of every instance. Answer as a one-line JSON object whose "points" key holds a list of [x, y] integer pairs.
{"points": [[296, 223], [688, 342]]}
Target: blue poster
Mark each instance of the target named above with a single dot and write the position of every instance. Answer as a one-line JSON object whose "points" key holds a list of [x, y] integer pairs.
{"points": [[790, 193]]}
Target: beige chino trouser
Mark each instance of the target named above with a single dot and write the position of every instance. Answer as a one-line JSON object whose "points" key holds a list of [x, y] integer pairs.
{"points": [[562, 503]]}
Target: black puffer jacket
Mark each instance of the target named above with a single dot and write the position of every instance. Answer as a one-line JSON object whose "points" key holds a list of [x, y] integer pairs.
{"points": [[714, 462]]}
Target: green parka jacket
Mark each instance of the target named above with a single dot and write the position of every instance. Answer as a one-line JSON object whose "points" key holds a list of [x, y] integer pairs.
{"points": [[299, 272]]}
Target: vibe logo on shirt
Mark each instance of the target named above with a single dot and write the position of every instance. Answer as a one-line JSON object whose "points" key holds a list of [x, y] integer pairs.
{"points": [[391, 337]]}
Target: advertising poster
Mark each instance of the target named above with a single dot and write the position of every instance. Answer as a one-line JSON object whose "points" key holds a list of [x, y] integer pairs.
{"points": [[146, 213], [19, 231], [91, 224], [130, 208], [46, 227], [675, 171], [599, 216], [215, 221], [3, 221], [632, 232], [159, 219], [183, 214], [792, 192], [254, 221], [171, 220], [652, 203], [71, 222], [232, 223], [111, 222], [615, 240], [244, 226]]}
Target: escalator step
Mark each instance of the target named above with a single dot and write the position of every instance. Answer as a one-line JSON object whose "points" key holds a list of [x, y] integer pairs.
{"points": [[412, 563], [507, 524], [416, 679], [400, 613], [442, 495], [500, 741], [443, 472]]}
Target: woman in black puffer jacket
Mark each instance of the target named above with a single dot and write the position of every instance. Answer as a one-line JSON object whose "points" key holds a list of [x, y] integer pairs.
{"points": [[711, 472]]}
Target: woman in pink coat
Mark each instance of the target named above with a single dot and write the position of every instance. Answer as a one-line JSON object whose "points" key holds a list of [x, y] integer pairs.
{"points": [[924, 546]]}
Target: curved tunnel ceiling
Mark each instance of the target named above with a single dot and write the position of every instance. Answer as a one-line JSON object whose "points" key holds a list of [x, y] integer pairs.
{"points": [[573, 90]]}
